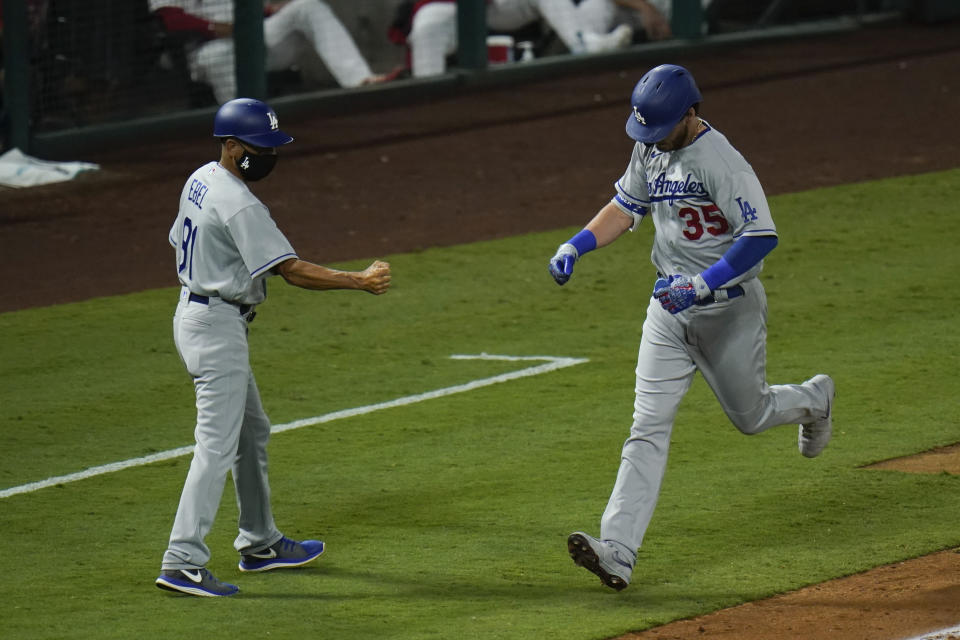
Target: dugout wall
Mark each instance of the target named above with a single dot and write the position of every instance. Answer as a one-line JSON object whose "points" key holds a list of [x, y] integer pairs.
{"points": [[78, 74]]}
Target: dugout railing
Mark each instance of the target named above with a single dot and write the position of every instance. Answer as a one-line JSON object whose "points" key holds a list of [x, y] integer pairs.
{"points": [[81, 74]]}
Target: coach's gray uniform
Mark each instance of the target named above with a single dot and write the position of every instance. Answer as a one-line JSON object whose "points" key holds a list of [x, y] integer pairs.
{"points": [[226, 244], [702, 197]]}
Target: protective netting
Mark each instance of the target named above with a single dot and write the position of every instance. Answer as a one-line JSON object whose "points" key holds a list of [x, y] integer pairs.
{"points": [[109, 60], [105, 61]]}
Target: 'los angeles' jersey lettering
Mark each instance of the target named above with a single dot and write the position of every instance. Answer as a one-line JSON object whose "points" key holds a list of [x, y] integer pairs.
{"points": [[661, 187]]}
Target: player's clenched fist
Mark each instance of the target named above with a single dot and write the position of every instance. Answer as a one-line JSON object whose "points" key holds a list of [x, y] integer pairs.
{"points": [[376, 277], [676, 294], [561, 264]]}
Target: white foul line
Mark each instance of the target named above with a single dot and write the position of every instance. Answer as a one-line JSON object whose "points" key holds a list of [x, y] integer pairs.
{"points": [[943, 634], [552, 363]]}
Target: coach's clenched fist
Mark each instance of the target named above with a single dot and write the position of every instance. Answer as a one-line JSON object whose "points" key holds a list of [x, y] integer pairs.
{"points": [[376, 277]]}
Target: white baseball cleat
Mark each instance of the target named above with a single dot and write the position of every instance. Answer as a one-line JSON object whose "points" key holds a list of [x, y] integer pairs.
{"points": [[814, 436], [602, 558]]}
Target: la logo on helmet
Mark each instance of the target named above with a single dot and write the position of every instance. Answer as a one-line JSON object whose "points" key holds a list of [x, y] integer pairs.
{"points": [[639, 117], [274, 123]]}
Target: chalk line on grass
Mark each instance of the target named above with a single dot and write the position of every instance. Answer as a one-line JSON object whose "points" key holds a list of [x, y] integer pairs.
{"points": [[942, 634], [551, 363]]}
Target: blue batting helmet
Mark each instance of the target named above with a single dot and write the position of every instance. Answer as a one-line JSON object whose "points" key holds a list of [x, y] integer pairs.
{"points": [[659, 101], [249, 120]]}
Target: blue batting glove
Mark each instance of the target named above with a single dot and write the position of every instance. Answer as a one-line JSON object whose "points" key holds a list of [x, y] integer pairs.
{"points": [[678, 294], [561, 264], [661, 283]]}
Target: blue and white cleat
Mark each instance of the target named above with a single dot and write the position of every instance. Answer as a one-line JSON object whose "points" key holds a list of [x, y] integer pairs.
{"points": [[194, 582], [283, 554], [602, 558]]}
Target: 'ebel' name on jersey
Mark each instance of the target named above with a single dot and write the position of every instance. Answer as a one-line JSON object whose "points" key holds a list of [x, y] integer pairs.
{"points": [[661, 187], [197, 191]]}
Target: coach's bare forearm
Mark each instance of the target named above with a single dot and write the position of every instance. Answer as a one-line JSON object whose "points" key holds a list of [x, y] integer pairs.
{"points": [[300, 273], [305, 274]]}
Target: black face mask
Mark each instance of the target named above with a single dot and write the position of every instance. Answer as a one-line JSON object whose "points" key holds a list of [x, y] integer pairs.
{"points": [[256, 167]]}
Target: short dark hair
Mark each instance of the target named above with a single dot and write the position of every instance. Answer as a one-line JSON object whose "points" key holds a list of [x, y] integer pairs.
{"points": [[223, 141]]}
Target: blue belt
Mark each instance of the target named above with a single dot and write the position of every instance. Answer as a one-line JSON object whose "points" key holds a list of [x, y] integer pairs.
{"points": [[196, 297], [722, 294]]}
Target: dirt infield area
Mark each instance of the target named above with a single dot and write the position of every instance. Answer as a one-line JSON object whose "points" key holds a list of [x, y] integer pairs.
{"points": [[807, 113]]}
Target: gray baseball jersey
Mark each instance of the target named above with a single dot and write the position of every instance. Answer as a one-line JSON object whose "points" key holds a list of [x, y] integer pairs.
{"points": [[702, 198], [226, 245], [225, 239]]}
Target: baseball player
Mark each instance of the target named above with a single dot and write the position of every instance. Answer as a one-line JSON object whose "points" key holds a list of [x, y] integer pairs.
{"points": [[290, 28], [708, 310], [587, 27], [226, 246]]}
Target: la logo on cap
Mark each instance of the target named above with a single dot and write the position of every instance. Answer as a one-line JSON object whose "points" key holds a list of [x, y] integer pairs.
{"points": [[639, 117], [274, 123]]}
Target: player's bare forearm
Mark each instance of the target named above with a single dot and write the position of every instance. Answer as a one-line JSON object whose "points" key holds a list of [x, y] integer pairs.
{"points": [[271, 8], [654, 22], [609, 224], [307, 275], [221, 29], [636, 5]]}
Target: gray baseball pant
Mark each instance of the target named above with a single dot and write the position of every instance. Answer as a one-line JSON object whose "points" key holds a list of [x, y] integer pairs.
{"points": [[232, 433], [726, 342]]}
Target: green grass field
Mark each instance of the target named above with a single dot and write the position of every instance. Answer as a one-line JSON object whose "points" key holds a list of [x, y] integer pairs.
{"points": [[447, 518]]}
